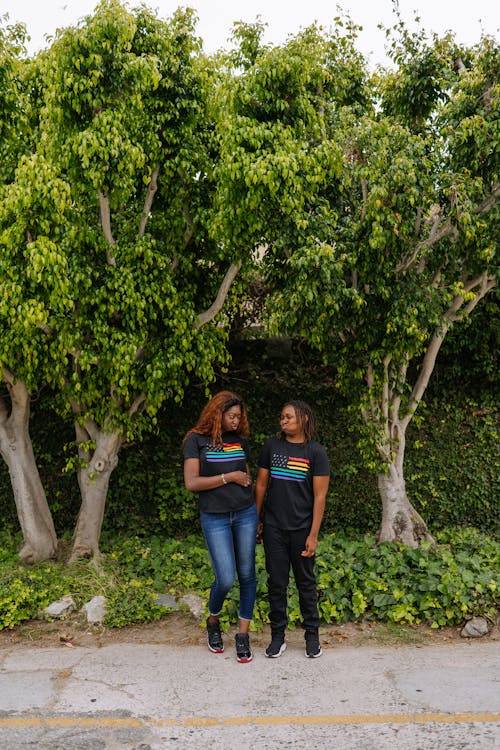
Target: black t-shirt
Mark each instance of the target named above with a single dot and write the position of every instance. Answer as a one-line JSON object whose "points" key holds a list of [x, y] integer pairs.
{"points": [[292, 466], [232, 456]]}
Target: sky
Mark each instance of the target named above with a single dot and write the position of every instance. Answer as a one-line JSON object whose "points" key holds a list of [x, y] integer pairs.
{"points": [[284, 17]]}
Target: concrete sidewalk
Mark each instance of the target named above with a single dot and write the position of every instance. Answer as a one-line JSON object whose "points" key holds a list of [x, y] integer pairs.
{"points": [[154, 696]]}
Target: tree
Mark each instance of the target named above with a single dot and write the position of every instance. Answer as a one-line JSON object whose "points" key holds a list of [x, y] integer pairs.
{"points": [[27, 187], [377, 201], [125, 123]]}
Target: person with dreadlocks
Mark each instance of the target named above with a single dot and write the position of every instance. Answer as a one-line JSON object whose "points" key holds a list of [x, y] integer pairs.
{"points": [[290, 493], [216, 466]]}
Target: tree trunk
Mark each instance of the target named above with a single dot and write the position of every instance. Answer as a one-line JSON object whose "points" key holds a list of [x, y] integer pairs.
{"points": [[400, 520], [93, 479], [35, 519]]}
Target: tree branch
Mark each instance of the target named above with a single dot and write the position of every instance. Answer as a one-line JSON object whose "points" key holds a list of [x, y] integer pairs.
{"points": [[4, 414], [370, 381], [447, 228], [106, 226], [137, 402], [396, 400], [491, 201], [418, 220], [426, 371], [82, 436], [437, 278], [89, 426], [364, 190], [212, 311], [434, 236], [148, 202], [8, 376], [486, 284], [385, 392], [20, 401]]}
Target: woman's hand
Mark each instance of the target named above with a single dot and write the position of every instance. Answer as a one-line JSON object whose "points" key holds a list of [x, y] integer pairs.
{"points": [[239, 477]]}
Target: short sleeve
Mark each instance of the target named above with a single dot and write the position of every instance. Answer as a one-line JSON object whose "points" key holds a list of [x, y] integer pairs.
{"points": [[321, 466], [265, 456], [246, 449], [192, 446]]}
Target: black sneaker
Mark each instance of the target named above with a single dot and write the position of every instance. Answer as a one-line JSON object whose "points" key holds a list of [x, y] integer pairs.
{"points": [[313, 648], [243, 650], [214, 637], [276, 647]]}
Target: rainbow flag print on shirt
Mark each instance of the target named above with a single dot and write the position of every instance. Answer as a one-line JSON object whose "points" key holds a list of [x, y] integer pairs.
{"points": [[229, 452], [289, 467]]}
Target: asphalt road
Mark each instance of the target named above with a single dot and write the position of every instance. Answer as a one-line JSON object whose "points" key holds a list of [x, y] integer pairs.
{"points": [[155, 697]]}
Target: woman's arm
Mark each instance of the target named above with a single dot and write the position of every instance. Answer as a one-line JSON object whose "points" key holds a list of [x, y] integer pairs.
{"points": [[260, 493], [196, 483], [261, 488]]}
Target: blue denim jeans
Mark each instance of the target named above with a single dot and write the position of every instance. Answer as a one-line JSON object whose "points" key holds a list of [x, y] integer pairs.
{"points": [[230, 539]]}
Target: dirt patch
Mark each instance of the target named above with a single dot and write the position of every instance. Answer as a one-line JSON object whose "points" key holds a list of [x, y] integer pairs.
{"points": [[180, 629]]}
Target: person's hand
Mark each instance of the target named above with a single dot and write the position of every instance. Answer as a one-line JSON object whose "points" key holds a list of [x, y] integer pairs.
{"points": [[310, 547], [260, 527], [240, 477]]}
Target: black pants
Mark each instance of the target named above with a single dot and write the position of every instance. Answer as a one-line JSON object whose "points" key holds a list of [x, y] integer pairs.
{"points": [[283, 549]]}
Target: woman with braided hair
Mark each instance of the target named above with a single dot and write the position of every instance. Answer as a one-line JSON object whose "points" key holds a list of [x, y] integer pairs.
{"points": [[290, 492], [216, 460]]}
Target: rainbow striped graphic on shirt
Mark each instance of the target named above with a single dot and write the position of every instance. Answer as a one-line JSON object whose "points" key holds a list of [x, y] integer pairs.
{"points": [[229, 452], [288, 467]]}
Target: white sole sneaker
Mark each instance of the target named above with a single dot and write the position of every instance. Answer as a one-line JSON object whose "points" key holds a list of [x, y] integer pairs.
{"points": [[275, 656]]}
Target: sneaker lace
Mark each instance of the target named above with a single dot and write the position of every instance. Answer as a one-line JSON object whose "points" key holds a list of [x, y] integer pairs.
{"points": [[242, 642]]}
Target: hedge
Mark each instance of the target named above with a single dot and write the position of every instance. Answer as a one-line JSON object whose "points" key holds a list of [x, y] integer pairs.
{"points": [[451, 459]]}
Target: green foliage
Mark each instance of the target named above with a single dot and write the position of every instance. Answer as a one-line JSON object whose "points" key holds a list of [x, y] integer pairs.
{"points": [[14, 106], [357, 579], [469, 355], [132, 601], [274, 158], [125, 120], [379, 223], [26, 590], [107, 252], [452, 475], [440, 585], [168, 564], [453, 467]]}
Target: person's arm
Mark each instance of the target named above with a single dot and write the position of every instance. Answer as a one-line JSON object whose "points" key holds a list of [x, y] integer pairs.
{"points": [[196, 483], [260, 494], [320, 488], [261, 488]]}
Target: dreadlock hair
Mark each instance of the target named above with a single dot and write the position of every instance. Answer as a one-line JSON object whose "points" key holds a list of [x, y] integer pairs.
{"points": [[305, 418], [210, 419]]}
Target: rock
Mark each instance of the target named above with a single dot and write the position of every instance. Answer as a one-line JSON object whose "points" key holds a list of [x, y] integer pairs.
{"points": [[95, 609], [167, 600], [475, 628], [195, 603], [60, 608]]}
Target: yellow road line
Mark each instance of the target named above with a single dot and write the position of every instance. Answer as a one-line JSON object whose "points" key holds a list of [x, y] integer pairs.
{"points": [[234, 721]]}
